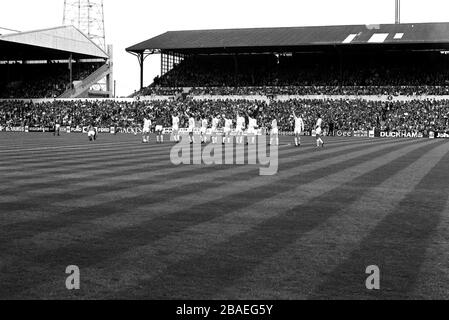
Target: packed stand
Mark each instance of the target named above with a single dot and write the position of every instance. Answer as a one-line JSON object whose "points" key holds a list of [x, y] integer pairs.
{"points": [[47, 80], [412, 74], [344, 114], [158, 91], [322, 90]]}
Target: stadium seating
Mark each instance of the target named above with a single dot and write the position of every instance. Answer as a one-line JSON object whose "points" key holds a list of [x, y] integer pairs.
{"points": [[375, 74], [344, 114], [40, 80]]}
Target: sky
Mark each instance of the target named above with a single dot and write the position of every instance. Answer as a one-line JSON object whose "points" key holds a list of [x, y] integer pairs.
{"points": [[132, 21]]}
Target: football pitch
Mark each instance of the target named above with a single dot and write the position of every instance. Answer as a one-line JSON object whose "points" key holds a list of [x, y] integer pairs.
{"points": [[139, 227]]}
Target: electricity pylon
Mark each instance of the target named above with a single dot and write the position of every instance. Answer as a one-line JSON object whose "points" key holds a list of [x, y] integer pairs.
{"points": [[88, 17]]}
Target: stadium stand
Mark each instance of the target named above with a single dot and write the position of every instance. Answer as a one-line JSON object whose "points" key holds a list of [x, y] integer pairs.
{"points": [[44, 80], [36, 64], [371, 71], [410, 116], [358, 76], [405, 59]]}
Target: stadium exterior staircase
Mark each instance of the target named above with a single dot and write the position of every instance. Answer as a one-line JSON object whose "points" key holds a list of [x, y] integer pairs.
{"points": [[81, 89]]}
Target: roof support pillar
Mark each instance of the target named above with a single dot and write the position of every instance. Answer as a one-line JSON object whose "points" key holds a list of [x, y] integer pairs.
{"points": [[70, 71], [141, 56], [141, 61]]}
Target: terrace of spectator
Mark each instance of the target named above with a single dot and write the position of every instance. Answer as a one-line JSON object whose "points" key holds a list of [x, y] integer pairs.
{"points": [[411, 55]]}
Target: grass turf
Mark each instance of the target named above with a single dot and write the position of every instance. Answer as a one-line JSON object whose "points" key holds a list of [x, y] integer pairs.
{"points": [[140, 227]]}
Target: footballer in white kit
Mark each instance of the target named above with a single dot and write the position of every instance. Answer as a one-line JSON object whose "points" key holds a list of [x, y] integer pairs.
{"points": [[299, 129], [204, 124], [252, 125], [215, 122], [146, 130], [192, 124], [274, 134], [175, 127], [241, 123], [92, 133], [57, 127], [227, 130], [319, 132]]}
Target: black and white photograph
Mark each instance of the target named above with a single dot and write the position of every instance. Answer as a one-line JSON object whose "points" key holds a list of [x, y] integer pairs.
{"points": [[233, 153]]}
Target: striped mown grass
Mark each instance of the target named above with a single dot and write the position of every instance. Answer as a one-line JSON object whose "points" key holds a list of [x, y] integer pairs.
{"points": [[140, 227]]}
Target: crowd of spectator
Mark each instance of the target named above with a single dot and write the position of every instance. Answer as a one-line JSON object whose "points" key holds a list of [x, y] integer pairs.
{"points": [[322, 90], [73, 113], [411, 74], [343, 114], [158, 91], [298, 91], [40, 80]]}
